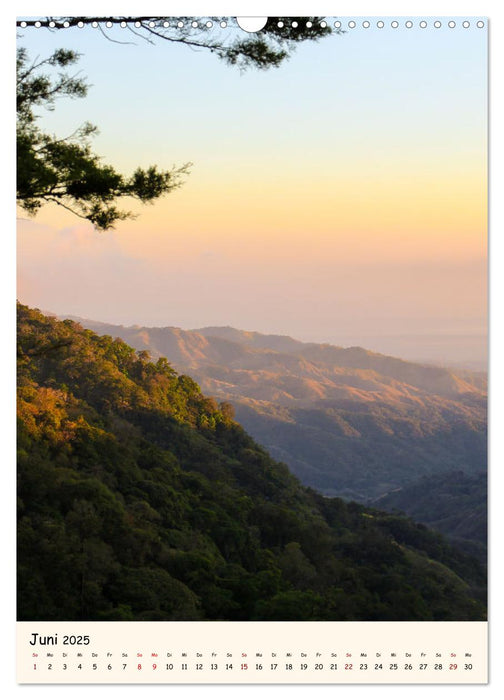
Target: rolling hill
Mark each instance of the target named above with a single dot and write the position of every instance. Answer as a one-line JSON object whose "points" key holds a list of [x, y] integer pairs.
{"points": [[140, 498], [454, 503], [347, 421]]}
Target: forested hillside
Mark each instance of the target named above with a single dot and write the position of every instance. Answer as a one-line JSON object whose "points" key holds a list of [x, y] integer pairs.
{"points": [[348, 422], [141, 499], [455, 504]]}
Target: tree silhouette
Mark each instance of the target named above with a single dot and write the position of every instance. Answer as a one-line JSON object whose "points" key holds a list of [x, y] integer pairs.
{"points": [[266, 48], [66, 171]]}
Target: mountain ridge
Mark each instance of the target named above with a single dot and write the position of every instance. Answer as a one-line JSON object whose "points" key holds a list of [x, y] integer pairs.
{"points": [[140, 498], [347, 421], [326, 354]]}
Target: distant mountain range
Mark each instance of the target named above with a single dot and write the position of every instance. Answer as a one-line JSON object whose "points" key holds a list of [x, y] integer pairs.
{"points": [[139, 498], [347, 421]]}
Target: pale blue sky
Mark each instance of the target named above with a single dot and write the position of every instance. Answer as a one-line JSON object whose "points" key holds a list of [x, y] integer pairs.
{"points": [[387, 84], [340, 195]]}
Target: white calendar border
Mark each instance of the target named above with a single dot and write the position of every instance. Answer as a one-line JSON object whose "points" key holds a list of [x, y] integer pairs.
{"points": [[262, 8], [328, 652]]}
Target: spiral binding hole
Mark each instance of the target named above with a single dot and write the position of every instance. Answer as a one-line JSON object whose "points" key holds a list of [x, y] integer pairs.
{"points": [[209, 24]]}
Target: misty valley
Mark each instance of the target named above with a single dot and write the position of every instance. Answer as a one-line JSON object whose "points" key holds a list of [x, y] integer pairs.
{"points": [[223, 474], [347, 422]]}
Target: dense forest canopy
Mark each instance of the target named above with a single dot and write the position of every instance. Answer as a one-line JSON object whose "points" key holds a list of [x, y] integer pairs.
{"points": [[139, 498]]}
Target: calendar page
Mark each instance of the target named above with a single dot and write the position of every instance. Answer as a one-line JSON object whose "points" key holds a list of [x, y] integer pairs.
{"points": [[252, 350]]}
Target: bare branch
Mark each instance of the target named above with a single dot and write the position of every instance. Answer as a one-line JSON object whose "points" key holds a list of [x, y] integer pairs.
{"points": [[114, 41]]}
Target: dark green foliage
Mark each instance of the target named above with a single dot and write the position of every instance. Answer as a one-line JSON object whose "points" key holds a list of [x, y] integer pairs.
{"points": [[453, 503], [262, 50], [141, 499], [65, 171], [347, 421]]}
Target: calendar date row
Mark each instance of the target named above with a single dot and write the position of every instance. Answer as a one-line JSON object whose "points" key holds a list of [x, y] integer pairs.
{"points": [[255, 667]]}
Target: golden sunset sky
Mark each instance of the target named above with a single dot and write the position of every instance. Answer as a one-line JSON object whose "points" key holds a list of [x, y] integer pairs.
{"points": [[338, 198]]}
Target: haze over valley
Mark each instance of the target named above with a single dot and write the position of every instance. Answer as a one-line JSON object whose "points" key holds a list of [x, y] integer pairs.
{"points": [[347, 421], [330, 462], [140, 498]]}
